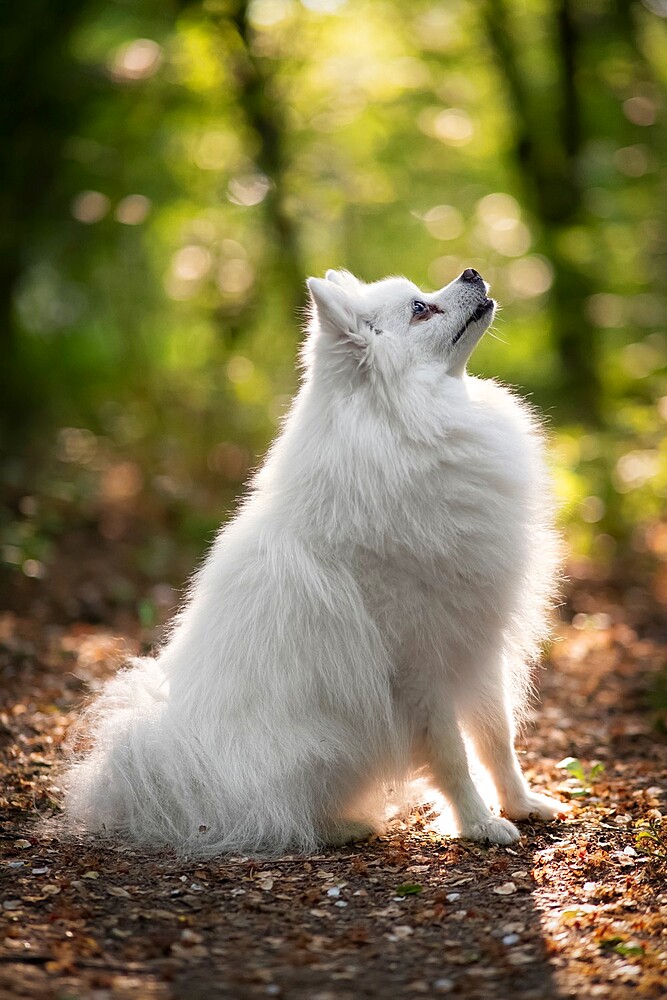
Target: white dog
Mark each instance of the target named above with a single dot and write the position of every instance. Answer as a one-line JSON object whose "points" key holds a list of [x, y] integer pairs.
{"points": [[382, 590]]}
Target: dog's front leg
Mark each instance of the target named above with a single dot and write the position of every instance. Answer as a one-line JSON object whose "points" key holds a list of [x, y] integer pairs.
{"points": [[489, 724], [446, 756]]}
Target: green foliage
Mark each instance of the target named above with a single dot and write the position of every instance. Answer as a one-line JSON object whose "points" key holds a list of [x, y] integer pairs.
{"points": [[203, 157], [651, 839], [585, 778], [622, 947], [657, 699]]}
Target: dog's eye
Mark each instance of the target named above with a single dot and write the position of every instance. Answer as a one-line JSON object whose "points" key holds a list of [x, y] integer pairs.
{"points": [[418, 307]]}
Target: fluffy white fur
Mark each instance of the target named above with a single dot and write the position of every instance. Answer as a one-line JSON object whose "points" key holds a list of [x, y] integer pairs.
{"points": [[382, 590]]}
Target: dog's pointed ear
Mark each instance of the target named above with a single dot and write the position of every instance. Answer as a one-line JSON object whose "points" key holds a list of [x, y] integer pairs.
{"points": [[337, 311], [343, 278]]}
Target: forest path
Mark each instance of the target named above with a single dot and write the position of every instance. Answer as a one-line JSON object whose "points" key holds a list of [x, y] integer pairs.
{"points": [[577, 909]]}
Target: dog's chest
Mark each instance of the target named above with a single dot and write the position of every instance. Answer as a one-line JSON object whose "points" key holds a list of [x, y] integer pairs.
{"points": [[460, 528]]}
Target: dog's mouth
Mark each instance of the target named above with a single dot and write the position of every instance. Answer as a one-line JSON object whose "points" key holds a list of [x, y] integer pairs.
{"points": [[481, 310]]}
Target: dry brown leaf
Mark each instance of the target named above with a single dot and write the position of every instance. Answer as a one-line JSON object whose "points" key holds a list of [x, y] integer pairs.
{"points": [[116, 890]]}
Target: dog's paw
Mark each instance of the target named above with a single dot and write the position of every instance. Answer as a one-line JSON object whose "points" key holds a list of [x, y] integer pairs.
{"points": [[493, 830], [339, 834], [532, 805]]}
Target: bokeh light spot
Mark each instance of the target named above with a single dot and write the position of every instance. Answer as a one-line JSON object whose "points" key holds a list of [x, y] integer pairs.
{"points": [[500, 225], [453, 127], [323, 6], [633, 161], [606, 310], [34, 568], [635, 468], [136, 60], [121, 482], [530, 276], [235, 276], [249, 190], [641, 359], [267, 13], [592, 509], [76, 444], [240, 369], [444, 222], [216, 150], [90, 206], [640, 110], [133, 209], [443, 269], [191, 263], [189, 267], [497, 208]]}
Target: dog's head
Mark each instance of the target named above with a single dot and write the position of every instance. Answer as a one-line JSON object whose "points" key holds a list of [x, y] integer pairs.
{"points": [[391, 327]]}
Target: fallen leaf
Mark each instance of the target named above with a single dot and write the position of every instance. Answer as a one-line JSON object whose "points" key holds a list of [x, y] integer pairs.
{"points": [[116, 890], [408, 889], [191, 937], [520, 958], [506, 889], [402, 931]]}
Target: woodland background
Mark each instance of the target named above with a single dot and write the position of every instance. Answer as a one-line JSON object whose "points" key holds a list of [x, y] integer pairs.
{"points": [[171, 172]]}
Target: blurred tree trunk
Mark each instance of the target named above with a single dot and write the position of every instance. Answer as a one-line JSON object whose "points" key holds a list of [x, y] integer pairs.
{"points": [[40, 103], [262, 112], [44, 96], [548, 143]]}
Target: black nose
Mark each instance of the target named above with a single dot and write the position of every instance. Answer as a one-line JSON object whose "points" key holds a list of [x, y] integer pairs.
{"points": [[470, 274]]}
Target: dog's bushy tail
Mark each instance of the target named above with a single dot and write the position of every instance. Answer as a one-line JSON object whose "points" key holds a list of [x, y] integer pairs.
{"points": [[150, 774], [117, 780]]}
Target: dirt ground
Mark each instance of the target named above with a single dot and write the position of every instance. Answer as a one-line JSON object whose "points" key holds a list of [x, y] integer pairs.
{"points": [[577, 909]]}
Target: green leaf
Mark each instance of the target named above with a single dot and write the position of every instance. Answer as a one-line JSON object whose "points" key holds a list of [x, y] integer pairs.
{"points": [[611, 943], [629, 949], [408, 889], [621, 947], [574, 767]]}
